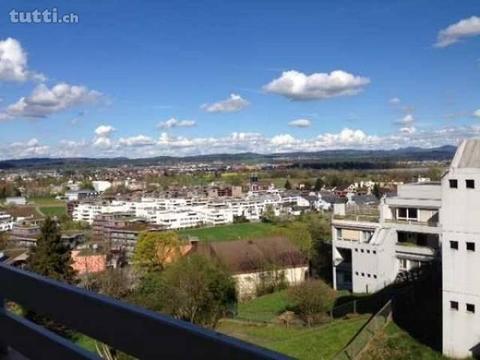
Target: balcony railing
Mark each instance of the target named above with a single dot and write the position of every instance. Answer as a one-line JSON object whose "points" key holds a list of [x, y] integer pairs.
{"points": [[135, 331], [412, 222]]}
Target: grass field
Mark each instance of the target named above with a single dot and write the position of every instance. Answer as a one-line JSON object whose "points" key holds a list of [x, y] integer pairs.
{"points": [[53, 210], [268, 307], [264, 308], [321, 342], [48, 206], [231, 232], [395, 344]]}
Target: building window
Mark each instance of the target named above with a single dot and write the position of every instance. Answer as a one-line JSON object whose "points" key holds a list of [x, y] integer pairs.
{"points": [[454, 305], [470, 184], [470, 308], [363, 274], [454, 245], [374, 276], [470, 246], [339, 234], [453, 183], [402, 212], [356, 250], [368, 275], [368, 251], [374, 251], [362, 250], [356, 273]]}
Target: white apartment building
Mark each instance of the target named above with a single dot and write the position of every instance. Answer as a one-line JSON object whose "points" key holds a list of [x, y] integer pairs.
{"points": [[179, 213], [6, 222], [426, 221], [460, 217]]}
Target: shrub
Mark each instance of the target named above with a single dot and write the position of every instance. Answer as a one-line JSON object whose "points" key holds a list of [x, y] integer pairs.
{"points": [[311, 299]]}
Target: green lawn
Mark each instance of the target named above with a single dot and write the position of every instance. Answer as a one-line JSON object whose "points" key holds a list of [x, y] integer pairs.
{"points": [[268, 307], [53, 210], [321, 342], [395, 344], [264, 308], [231, 232]]}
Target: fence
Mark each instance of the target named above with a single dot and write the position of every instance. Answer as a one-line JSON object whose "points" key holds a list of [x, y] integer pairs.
{"points": [[366, 333], [135, 331]]}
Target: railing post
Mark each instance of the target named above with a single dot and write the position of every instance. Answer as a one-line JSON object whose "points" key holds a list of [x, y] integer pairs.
{"points": [[3, 346]]}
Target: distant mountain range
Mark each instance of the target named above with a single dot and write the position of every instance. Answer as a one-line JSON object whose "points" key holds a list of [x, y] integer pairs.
{"points": [[317, 159]]}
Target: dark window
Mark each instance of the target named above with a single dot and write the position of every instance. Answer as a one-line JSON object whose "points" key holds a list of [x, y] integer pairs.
{"points": [[362, 250], [368, 275], [454, 245], [470, 246], [454, 305], [368, 251], [356, 272], [363, 274], [374, 251], [453, 183], [471, 308], [470, 184], [374, 276], [402, 212], [356, 250], [412, 213]]}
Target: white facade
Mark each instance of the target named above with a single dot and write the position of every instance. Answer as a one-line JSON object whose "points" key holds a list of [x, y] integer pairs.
{"points": [[179, 213], [16, 200], [247, 283], [101, 186], [369, 255], [6, 222], [460, 216], [426, 221]]}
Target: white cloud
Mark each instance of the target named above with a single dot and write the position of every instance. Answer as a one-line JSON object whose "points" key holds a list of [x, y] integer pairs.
{"points": [[463, 29], [299, 86], [102, 142], [104, 130], [139, 140], [477, 113], [44, 101], [233, 104], [408, 119], [300, 123], [29, 148], [283, 139], [347, 137], [408, 130], [394, 101], [173, 123], [13, 62]]}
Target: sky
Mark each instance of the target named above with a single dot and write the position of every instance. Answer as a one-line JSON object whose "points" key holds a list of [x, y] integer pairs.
{"points": [[148, 78]]}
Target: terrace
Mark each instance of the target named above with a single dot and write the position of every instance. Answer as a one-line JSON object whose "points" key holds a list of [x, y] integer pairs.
{"points": [[135, 331]]}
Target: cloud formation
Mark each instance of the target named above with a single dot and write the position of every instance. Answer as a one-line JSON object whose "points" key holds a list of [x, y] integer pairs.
{"points": [[465, 28], [476, 113], [296, 85], [13, 63], [234, 103], [300, 123], [139, 140], [173, 123], [46, 101], [105, 144]]}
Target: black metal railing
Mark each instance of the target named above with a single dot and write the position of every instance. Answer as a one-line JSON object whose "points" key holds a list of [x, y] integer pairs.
{"points": [[135, 331]]}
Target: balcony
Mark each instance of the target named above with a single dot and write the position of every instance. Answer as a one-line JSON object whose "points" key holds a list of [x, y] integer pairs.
{"points": [[412, 250], [135, 331]]}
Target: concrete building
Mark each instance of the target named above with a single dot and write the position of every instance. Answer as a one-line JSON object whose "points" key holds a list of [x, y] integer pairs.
{"points": [[16, 200], [460, 218], [6, 222], [424, 222]]}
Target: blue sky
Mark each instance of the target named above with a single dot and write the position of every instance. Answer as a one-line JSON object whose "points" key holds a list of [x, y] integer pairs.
{"points": [[143, 78]]}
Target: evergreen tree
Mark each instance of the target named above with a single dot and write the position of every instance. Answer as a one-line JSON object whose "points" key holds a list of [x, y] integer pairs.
{"points": [[318, 184], [51, 257], [376, 191], [288, 186]]}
